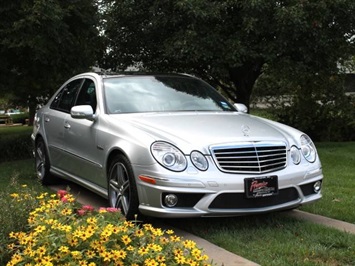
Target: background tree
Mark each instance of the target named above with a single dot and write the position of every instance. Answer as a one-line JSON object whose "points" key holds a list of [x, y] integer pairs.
{"points": [[230, 42], [42, 43]]}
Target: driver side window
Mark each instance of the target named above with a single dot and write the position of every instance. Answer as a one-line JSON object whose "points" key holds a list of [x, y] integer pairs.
{"points": [[64, 100], [87, 95]]}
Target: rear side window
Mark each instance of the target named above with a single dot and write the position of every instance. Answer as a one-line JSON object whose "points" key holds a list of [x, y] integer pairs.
{"points": [[65, 99]]}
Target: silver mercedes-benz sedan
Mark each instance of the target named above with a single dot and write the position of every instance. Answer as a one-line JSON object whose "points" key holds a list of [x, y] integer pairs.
{"points": [[169, 145]]}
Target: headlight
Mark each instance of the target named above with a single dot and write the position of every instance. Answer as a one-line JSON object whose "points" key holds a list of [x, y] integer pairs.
{"points": [[308, 149], [199, 160], [295, 155], [168, 156]]}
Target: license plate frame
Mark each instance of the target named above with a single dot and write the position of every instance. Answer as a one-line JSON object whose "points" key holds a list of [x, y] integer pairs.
{"points": [[259, 187]]}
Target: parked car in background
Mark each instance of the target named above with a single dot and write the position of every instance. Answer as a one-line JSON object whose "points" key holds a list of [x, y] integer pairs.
{"points": [[169, 145], [13, 112]]}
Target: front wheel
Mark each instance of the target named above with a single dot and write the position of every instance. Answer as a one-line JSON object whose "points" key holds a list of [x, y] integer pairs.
{"points": [[122, 190], [42, 163]]}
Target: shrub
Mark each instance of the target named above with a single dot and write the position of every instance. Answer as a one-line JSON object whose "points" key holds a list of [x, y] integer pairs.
{"points": [[63, 233], [15, 143], [316, 104], [20, 118], [322, 110]]}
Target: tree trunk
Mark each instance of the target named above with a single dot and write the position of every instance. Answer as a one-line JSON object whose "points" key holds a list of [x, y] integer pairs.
{"points": [[32, 104], [244, 78]]}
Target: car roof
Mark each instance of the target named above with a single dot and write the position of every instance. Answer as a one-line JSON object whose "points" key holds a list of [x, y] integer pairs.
{"points": [[135, 73], [109, 74]]}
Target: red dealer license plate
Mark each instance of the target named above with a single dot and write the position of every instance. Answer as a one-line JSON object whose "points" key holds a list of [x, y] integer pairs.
{"points": [[257, 187]]}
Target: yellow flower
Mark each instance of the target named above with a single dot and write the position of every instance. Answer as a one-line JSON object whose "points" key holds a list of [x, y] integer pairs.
{"points": [[196, 252], [179, 259], [66, 211], [160, 258], [119, 254], [16, 259], [126, 239], [157, 232], [90, 254], [189, 244], [15, 195], [130, 248], [72, 242], [11, 246], [175, 238], [139, 233], [143, 250], [150, 262], [47, 260], [64, 249], [91, 220], [170, 232], [64, 228], [164, 240], [156, 247], [31, 219], [39, 229], [76, 254], [107, 256], [40, 196]]}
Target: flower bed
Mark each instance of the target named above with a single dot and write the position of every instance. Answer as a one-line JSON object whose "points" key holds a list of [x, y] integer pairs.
{"points": [[61, 232]]}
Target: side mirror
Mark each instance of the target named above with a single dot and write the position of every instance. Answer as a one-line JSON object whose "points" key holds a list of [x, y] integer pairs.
{"points": [[241, 107], [82, 112]]}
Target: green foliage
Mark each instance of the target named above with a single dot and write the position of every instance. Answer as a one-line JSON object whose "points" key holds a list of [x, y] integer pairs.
{"points": [[229, 42], [320, 108], [42, 43], [20, 118], [15, 143]]}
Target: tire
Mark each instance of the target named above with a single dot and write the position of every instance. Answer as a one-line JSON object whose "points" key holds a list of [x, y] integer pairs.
{"points": [[122, 189], [42, 163]]}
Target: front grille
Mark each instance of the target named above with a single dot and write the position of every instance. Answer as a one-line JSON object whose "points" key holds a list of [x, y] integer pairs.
{"points": [[253, 157], [239, 201]]}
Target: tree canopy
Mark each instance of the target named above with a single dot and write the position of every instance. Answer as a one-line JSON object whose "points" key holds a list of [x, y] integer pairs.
{"points": [[43, 42], [230, 42]]}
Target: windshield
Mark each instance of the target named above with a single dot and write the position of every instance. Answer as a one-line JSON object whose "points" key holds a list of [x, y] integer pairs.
{"points": [[161, 94]]}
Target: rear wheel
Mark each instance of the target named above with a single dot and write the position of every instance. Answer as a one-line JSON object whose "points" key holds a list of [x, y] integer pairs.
{"points": [[122, 190], [42, 163]]}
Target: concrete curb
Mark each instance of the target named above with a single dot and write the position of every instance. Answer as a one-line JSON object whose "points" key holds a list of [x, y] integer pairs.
{"points": [[340, 225]]}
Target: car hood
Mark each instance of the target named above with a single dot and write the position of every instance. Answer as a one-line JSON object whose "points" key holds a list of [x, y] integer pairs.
{"points": [[199, 130]]}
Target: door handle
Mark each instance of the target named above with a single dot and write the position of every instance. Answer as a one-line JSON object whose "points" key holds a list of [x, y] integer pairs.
{"points": [[66, 125], [46, 119]]}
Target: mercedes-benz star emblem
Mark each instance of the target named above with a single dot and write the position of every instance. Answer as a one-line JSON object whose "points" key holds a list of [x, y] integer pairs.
{"points": [[245, 130]]}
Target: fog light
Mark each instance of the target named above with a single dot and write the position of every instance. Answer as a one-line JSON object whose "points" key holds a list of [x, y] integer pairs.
{"points": [[170, 200], [317, 186]]}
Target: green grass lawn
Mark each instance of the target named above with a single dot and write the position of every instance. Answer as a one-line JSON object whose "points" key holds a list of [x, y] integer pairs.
{"points": [[275, 239], [338, 161]]}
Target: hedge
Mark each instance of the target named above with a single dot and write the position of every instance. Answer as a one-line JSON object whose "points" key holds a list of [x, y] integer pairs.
{"points": [[15, 144]]}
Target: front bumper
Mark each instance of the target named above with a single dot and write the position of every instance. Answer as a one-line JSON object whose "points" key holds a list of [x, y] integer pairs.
{"points": [[212, 195]]}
